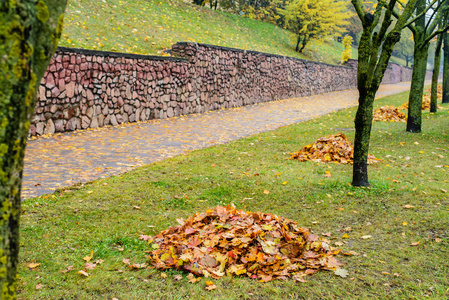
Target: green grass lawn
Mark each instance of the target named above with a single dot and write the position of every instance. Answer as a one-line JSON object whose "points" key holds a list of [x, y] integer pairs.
{"points": [[149, 26], [106, 217]]}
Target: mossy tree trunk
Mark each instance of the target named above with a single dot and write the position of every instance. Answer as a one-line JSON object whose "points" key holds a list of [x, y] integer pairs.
{"points": [[435, 75], [370, 71], [446, 68], [420, 55], [29, 32], [417, 86], [424, 30]]}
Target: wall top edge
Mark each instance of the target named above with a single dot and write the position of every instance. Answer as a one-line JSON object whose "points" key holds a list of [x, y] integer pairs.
{"points": [[258, 52], [119, 54]]}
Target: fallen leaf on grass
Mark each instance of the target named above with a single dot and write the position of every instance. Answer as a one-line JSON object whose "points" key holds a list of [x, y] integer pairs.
{"points": [[126, 261], [33, 265], [350, 253], [69, 268], [366, 237], [299, 278], [345, 236], [339, 243], [415, 243], [178, 277], [89, 266], [341, 272], [192, 278], [438, 240], [163, 275], [136, 207], [88, 258], [138, 266], [84, 273], [39, 286], [265, 278], [210, 286], [266, 192], [408, 206]]}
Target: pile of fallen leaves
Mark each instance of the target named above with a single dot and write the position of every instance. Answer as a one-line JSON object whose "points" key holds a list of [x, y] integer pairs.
{"points": [[226, 241], [335, 148], [389, 113], [426, 99]]}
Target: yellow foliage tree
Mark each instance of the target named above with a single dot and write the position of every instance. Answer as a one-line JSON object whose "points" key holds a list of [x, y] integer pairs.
{"points": [[347, 42], [315, 19]]}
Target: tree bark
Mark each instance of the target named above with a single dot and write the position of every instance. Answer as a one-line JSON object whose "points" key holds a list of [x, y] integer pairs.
{"points": [[303, 44], [30, 30], [363, 122], [416, 89], [297, 43], [435, 75], [446, 68]]}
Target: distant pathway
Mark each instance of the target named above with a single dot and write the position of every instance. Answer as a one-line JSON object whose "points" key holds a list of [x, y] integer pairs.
{"points": [[63, 160]]}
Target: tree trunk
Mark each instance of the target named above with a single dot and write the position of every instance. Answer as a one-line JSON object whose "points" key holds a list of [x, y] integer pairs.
{"points": [[30, 32], [363, 122], [416, 89], [446, 68], [435, 75], [297, 43], [303, 44]]}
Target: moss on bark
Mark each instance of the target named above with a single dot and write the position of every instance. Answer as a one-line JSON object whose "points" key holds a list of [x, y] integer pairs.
{"points": [[435, 75], [29, 31], [446, 68]]}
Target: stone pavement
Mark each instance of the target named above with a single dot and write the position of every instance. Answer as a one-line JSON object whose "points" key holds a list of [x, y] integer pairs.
{"points": [[63, 160]]}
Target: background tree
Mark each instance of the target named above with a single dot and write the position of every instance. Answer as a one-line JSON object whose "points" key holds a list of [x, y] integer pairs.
{"points": [[314, 19], [446, 65], [265, 10], [347, 42], [424, 29], [29, 32], [436, 74], [354, 26], [375, 48], [404, 48]]}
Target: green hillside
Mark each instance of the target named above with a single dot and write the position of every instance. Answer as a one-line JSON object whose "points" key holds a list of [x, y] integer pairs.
{"points": [[147, 27]]}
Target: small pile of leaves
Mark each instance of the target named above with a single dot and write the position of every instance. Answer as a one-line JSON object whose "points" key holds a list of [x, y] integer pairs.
{"points": [[335, 148], [389, 113], [226, 241]]}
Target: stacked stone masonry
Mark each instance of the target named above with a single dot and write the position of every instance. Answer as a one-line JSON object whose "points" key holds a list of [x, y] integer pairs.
{"points": [[87, 89]]}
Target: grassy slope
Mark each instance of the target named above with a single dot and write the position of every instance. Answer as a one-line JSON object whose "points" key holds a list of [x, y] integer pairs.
{"points": [[60, 229], [147, 27]]}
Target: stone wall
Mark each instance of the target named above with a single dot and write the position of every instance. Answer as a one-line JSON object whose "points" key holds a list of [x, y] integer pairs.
{"points": [[87, 89]]}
